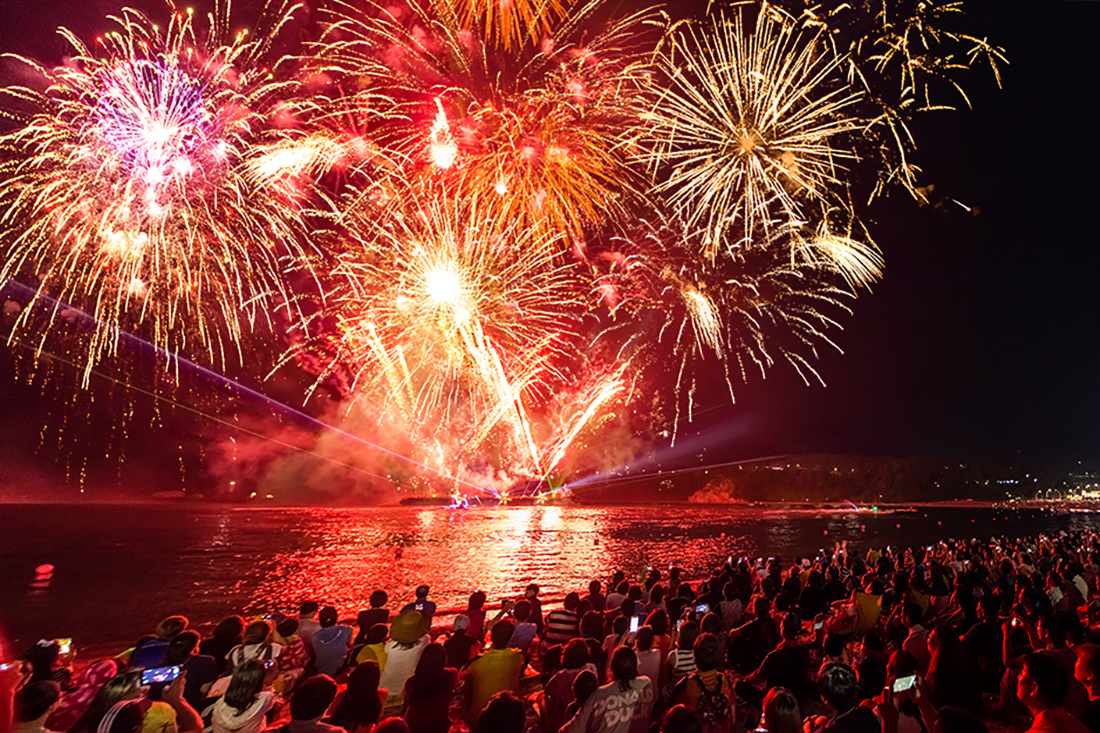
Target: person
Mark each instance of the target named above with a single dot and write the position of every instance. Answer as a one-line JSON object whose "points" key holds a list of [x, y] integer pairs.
{"points": [[171, 714], [391, 725], [624, 705], [422, 605], [952, 678], [916, 643], [708, 691], [475, 612], [360, 706], [461, 647], [374, 648], [730, 607], [750, 642], [496, 670], [840, 690], [649, 656], [376, 614], [227, 634], [788, 665], [308, 704], [525, 630], [1087, 672], [681, 719], [595, 597], [295, 658], [47, 663], [681, 661], [34, 703], [781, 712], [984, 643], [256, 645], [504, 713], [151, 652], [330, 643], [559, 690], [408, 638], [201, 669], [244, 706], [531, 594], [563, 624], [1042, 687], [584, 685], [76, 701], [428, 692], [307, 622]]}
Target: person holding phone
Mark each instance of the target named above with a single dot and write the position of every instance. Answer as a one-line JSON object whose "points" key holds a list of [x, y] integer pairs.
{"points": [[244, 706]]}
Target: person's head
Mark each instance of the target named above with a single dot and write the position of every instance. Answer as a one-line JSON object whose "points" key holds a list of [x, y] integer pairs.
{"points": [[36, 700], [522, 610], [711, 623], [584, 684], [644, 639], [363, 680], [988, 607], [391, 725], [477, 600], [624, 666], [460, 624], [708, 652], [901, 664], [360, 705], [594, 587], [689, 632], [287, 628], [229, 630], [781, 713], [502, 634], [377, 634], [761, 607], [551, 660], [312, 697], [531, 591], [171, 626], [257, 632], [833, 645], [505, 713], [571, 601], [1087, 668], [245, 684], [307, 610], [1051, 630], [952, 719], [327, 617], [592, 625], [432, 661], [182, 646], [422, 591], [913, 613], [575, 654], [378, 599], [681, 719], [658, 621], [42, 658], [839, 687], [792, 626], [1043, 683]]}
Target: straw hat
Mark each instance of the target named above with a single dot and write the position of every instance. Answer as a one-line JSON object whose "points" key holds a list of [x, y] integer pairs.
{"points": [[407, 628]]}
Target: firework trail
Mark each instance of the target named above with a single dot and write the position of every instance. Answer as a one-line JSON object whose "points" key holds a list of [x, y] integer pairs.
{"points": [[130, 187]]}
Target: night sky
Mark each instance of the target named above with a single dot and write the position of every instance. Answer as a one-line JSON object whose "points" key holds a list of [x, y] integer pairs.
{"points": [[983, 340]]}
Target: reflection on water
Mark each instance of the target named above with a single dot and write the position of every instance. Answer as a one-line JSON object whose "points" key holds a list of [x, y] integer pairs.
{"points": [[120, 569]]}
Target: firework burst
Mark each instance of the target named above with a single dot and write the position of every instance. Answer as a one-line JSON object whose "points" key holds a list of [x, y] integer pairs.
{"points": [[127, 190], [748, 133]]}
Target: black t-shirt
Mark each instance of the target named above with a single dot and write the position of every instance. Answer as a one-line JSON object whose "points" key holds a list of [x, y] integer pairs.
{"points": [[859, 719], [789, 667], [1090, 716]]}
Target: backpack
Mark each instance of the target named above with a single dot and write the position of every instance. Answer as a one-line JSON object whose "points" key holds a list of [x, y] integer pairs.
{"points": [[713, 708]]}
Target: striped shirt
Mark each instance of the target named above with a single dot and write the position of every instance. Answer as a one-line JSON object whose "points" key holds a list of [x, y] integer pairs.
{"points": [[561, 626], [682, 662]]}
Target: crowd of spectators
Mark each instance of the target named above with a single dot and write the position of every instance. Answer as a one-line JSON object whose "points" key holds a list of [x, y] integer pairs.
{"points": [[955, 637]]}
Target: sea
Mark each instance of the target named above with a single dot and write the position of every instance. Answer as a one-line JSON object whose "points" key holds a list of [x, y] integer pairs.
{"points": [[118, 569]]}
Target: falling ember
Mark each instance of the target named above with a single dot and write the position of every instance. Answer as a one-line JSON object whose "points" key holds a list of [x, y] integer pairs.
{"points": [[442, 147]]}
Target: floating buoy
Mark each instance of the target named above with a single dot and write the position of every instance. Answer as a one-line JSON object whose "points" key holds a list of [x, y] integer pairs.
{"points": [[44, 569]]}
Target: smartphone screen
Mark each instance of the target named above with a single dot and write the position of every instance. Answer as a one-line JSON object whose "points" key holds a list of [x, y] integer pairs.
{"points": [[633, 624], [901, 684], [702, 608], [159, 674], [269, 664], [679, 624], [819, 625], [64, 646]]}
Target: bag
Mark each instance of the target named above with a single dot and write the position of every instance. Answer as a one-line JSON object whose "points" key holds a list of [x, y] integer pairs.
{"points": [[713, 708]]}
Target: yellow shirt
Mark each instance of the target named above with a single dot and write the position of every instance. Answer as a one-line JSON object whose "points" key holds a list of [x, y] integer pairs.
{"points": [[494, 671], [377, 652], [159, 718]]}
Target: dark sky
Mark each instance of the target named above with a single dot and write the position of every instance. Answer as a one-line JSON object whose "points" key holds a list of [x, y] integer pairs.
{"points": [[983, 340]]}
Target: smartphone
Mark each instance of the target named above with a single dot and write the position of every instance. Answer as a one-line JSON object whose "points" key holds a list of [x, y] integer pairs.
{"points": [[1015, 622], [679, 624], [634, 624], [269, 664], [159, 674], [729, 560], [702, 608], [64, 646], [819, 626], [901, 684]]}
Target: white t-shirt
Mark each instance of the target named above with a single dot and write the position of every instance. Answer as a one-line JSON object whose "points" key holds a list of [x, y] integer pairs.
{"points": [[400, 665]]}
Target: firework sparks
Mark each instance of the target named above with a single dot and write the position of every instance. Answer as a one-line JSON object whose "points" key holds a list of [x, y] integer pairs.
{"points": [[127, 190], [748, 130]]}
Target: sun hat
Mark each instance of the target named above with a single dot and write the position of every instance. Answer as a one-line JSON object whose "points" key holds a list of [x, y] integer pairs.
{"points": [[407, 628], [462, 622]]}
